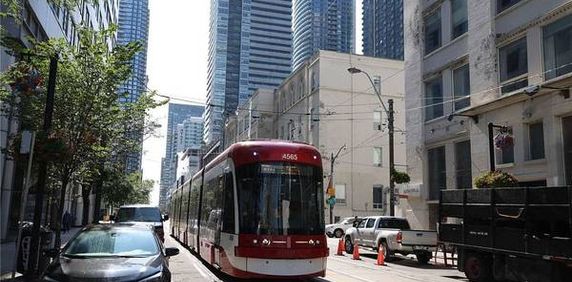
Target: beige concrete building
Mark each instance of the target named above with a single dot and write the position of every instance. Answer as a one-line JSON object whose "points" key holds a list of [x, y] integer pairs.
{"points": [[471, 63], [253, 120], [323, 104]]}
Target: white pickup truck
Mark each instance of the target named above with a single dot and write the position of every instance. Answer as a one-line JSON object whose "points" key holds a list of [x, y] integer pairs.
{"points": [[395, 235]]}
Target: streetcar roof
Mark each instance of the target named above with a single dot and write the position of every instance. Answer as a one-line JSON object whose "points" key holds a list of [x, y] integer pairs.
{"points": [[268, 150]]}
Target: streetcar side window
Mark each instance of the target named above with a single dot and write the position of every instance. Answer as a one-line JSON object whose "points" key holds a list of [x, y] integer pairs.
{"points": [[228, 210]]}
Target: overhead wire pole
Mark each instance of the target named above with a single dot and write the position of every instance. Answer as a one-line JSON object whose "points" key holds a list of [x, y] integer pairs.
{"points": [[332, 161], [391, 129]]}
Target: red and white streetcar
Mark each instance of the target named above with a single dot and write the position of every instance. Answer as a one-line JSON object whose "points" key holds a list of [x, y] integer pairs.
{"points": [[256, 211]]}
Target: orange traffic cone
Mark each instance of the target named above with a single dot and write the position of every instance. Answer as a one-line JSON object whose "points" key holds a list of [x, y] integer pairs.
{"points": [[356, 252], [380, 256], [340, 248]]}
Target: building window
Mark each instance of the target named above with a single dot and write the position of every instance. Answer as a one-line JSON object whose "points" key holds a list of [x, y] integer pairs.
{"points": [[433, 99], [377, 196], [463, 165], [513, 66], [462, 87], [536, 140], [377, 83], [314, 116], [459, 17], [377, 120], [558, 48], [377, 156], [437, 171], [505, 4], [340, 193], [432, 32]]}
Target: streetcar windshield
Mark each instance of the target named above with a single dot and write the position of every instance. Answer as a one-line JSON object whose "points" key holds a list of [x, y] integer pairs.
{"points": [[280, 199]]}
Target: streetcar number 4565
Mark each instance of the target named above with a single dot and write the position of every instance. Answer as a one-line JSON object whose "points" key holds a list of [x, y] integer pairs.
{"points": [[292, 157]]}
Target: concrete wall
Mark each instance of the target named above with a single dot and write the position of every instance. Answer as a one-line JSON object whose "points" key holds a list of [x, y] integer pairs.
{"points": [[487, 32], [343, 106]]}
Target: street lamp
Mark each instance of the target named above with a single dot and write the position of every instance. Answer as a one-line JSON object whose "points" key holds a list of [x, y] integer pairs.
{"points": [[389, 111]]}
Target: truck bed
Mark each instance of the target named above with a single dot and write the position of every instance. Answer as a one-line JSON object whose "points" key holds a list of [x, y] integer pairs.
{"points": [[424, 238], [525, 221]]}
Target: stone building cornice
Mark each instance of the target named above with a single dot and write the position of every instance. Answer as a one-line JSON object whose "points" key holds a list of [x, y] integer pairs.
{"points": [[502, 38]]}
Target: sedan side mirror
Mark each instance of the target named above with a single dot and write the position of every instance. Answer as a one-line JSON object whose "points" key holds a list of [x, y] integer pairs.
{"points": [[52, 253], [165, 217], [169, 252]]}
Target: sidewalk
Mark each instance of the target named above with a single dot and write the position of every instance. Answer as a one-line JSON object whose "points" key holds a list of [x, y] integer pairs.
{"points": [[8, 254]]}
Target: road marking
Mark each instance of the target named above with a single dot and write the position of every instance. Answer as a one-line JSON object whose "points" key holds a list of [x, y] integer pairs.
{"points": [[197, 264], [200, 270]]}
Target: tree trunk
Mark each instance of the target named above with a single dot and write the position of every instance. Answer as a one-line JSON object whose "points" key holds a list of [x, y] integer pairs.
{"points": [[85, 196], [97, 190], [65, 180]]}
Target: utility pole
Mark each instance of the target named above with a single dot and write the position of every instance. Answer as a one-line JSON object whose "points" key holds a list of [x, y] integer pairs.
{"points": [[35, 248], [332, 161], [390, 120], [391, 129]]}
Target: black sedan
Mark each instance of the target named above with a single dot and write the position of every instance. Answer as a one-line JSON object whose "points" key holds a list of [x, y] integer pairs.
{"points": [[112, 253]]}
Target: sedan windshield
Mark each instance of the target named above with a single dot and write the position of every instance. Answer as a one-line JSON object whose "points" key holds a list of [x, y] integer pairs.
{"points": [[138, 214], [113, 242], [280, 199]]}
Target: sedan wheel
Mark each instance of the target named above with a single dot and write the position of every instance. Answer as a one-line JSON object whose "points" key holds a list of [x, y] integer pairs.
{"points": [[338, 233]]}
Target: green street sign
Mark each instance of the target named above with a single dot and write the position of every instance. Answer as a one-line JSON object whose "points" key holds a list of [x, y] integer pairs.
{"points": [[332, 201]]}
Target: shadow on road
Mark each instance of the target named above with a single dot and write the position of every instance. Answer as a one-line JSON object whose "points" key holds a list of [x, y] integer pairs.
{"points": [[410, 262]]}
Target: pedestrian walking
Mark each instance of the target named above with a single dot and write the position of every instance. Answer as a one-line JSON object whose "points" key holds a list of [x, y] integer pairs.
{"points": [[66, 220]]}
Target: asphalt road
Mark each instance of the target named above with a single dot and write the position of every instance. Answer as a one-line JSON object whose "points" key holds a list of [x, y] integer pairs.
{"points": [[187, 267]]}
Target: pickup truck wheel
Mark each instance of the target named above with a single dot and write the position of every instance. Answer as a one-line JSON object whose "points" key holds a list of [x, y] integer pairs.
{"points": [[477, 268], [349, 245], [387, 254], [423, 257], [338, 233]]}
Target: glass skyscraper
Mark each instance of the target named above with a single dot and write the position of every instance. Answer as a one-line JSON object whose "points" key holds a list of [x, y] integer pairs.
{"points": [[322, 25], [250, 47], [178, 115], [134, 26], [383, 29]]}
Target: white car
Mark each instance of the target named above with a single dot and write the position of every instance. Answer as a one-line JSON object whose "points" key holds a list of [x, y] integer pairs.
{"points": [[339, 229]]}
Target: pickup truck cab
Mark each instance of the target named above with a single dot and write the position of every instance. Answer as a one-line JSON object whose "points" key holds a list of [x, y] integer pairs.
{"points": [[394, 234]]}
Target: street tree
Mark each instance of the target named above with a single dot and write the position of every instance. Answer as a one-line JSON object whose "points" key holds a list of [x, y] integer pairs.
{"points": [[91, 119], [124, 189]]}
